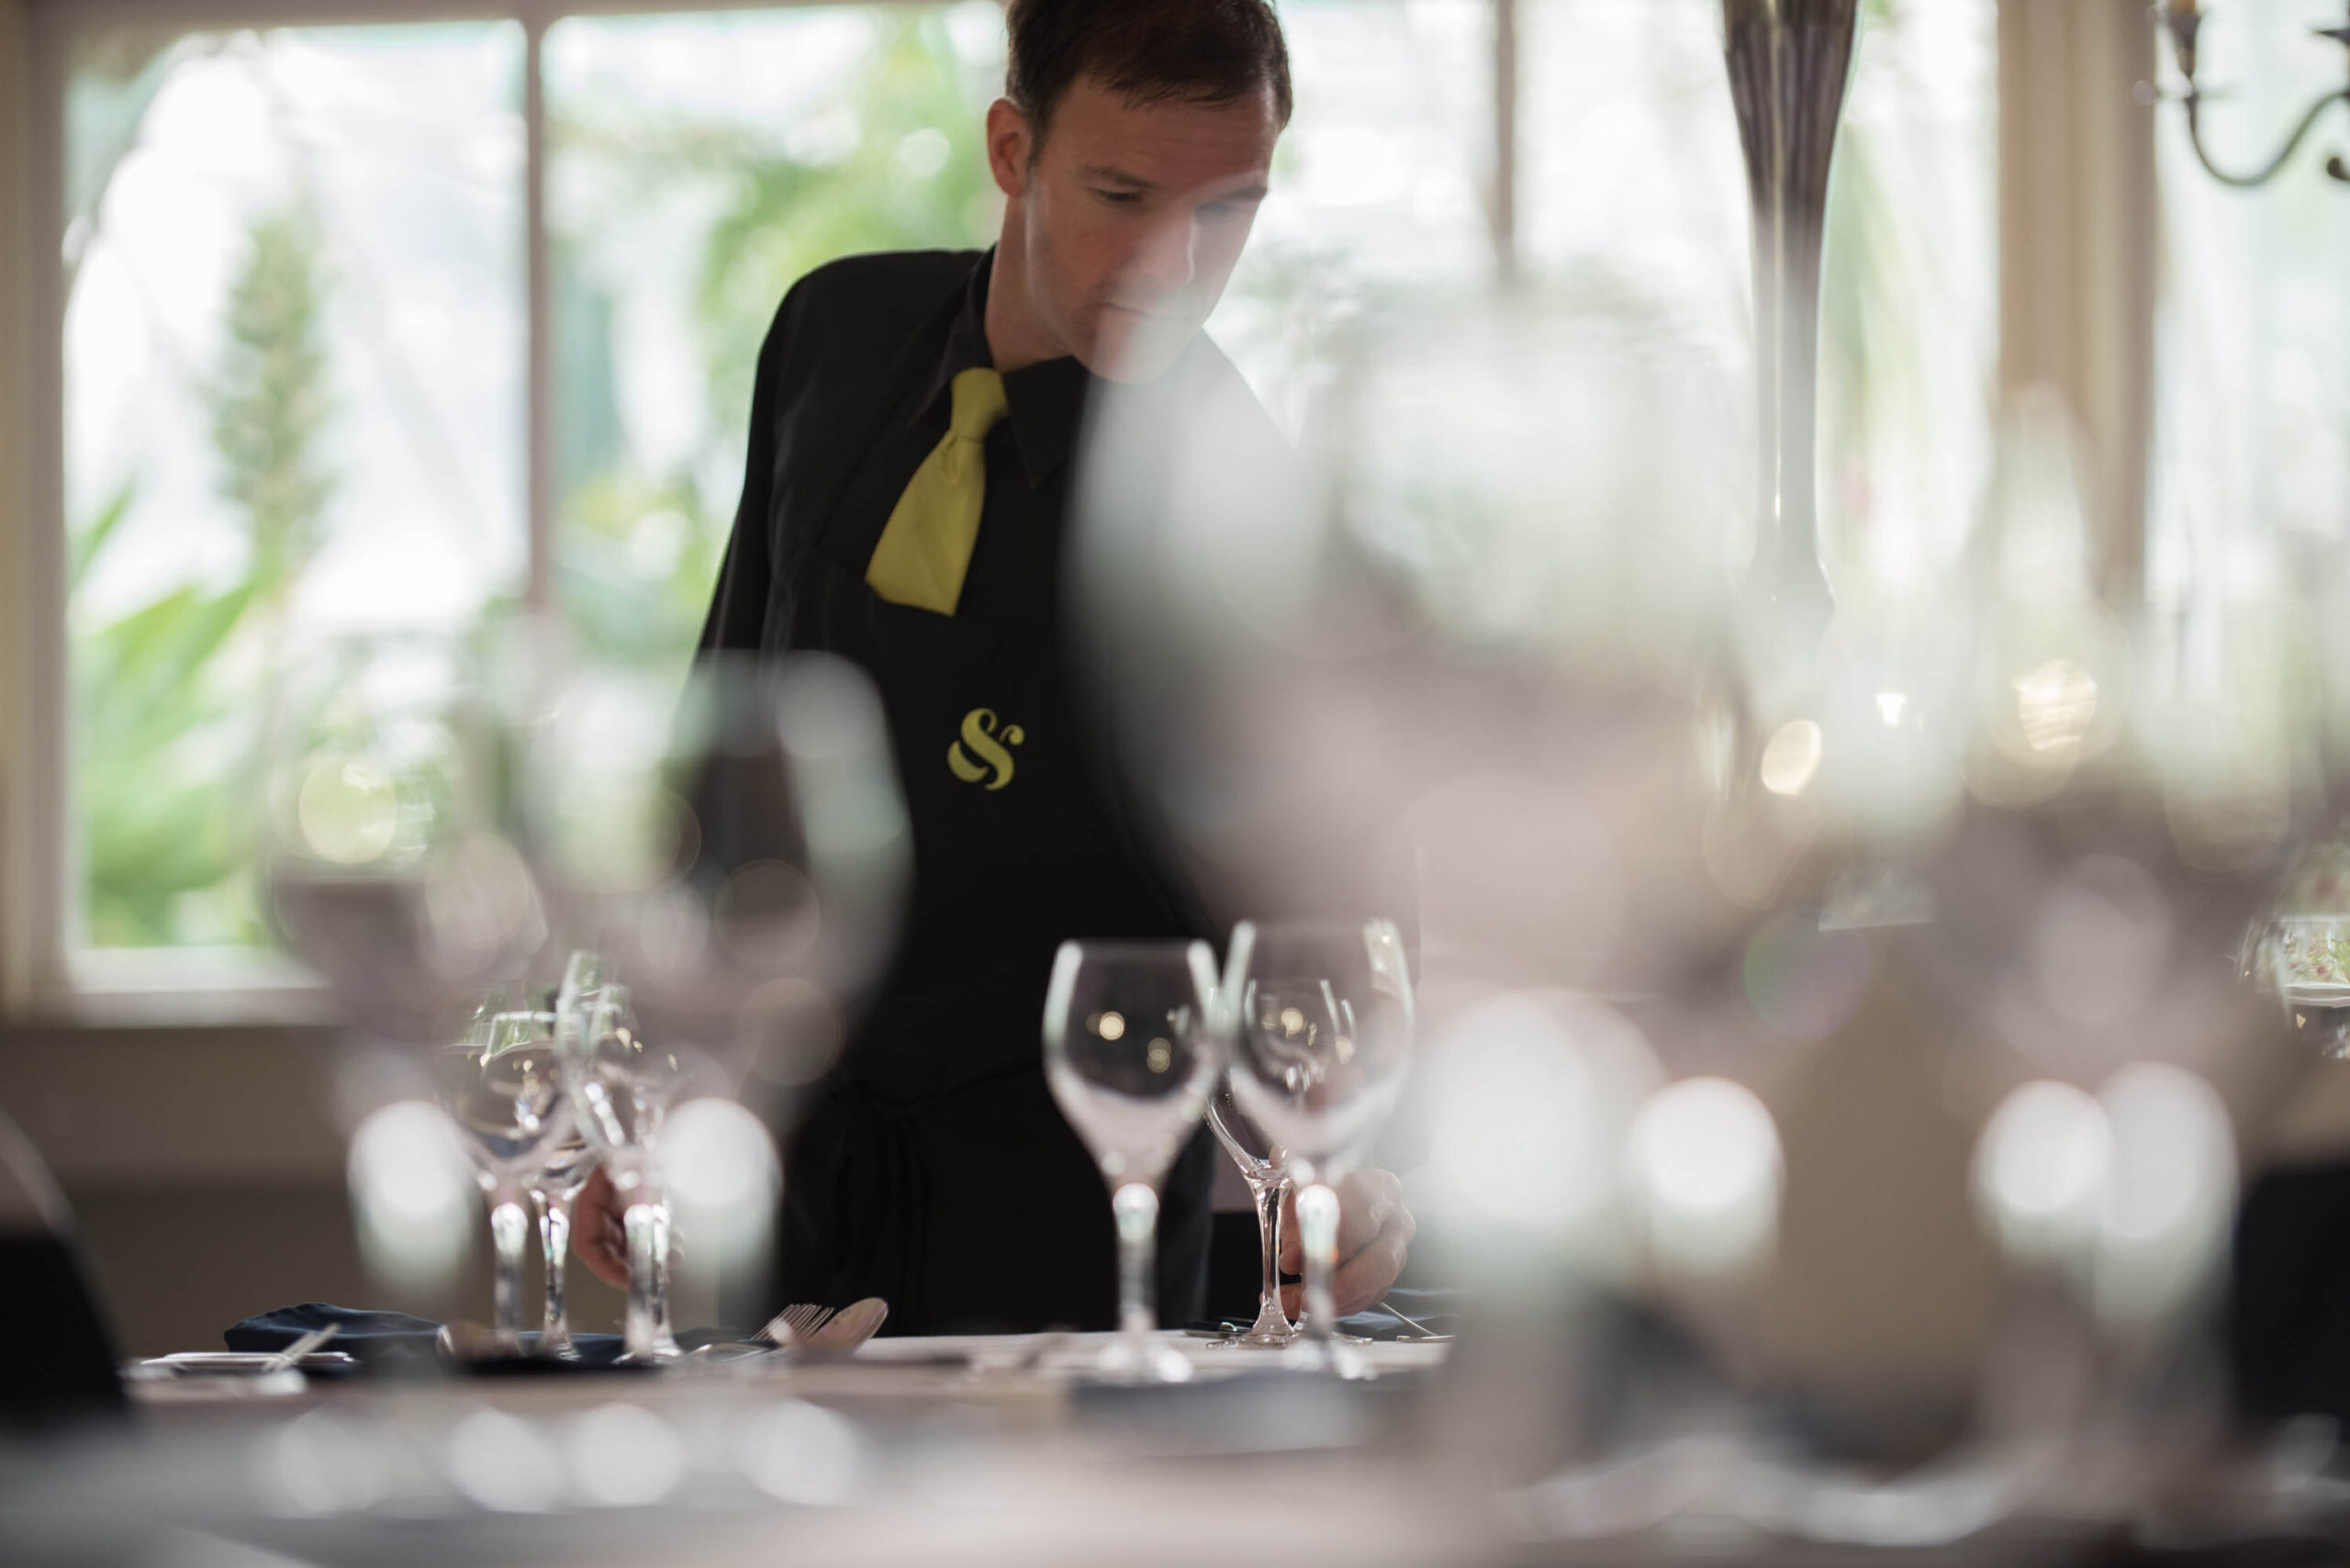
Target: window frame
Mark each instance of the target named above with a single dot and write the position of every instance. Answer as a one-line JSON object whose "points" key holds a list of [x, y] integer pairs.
{"points": [[44, 975]]}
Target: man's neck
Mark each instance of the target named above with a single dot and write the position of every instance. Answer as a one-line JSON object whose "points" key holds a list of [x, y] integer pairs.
{"points": [[1015, 338]]}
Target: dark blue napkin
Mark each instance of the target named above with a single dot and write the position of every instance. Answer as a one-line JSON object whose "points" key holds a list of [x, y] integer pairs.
{"points": [[392, 1338]]}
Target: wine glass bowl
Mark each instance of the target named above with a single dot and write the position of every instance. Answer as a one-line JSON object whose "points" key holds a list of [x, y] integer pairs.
{"points": [[1322, 1022], [2304, 959], [1129, 1053], [1259, 1157], [505, 1092]]}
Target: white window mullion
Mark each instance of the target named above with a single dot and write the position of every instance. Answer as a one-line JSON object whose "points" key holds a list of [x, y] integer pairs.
{"points": [[540, 423], [1505, 117], [37, 917]]}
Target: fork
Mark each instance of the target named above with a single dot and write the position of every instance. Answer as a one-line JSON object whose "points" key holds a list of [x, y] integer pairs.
{"points": [[1422, 1331], [795, 1323], [291, 1357]]}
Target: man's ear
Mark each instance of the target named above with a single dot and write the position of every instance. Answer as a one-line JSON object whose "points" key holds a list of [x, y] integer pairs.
{"points": [[1012, 142]]}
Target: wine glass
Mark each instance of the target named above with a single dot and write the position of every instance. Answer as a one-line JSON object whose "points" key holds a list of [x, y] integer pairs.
{"points": [[1131, 1054], [390, 868], [2299, 949], [621, 1086], [502, 1086], [1260, 1160], [738, 851], [1320, 1019], [567, 1168]]}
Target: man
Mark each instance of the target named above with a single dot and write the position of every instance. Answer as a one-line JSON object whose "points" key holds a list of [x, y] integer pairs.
{"points": [[913, 431]]}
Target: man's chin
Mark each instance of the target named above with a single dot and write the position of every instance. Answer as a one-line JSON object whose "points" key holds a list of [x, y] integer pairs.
{"points": [[1129, 347]]}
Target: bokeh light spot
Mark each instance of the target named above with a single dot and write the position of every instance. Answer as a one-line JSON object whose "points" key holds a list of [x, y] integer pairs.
{"points": [[1704, 1161], [801, 1454], [502, 1463], [349, 810], [1791, 758], [623, 1456], [2041, 1168]]}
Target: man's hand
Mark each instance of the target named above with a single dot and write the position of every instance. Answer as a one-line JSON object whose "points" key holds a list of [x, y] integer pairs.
{"points": [[599, 1237], [1374, 1233]]}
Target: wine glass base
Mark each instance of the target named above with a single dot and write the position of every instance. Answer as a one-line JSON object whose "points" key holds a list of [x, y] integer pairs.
{"points": [[1337, 1356], [652, 1356], [1259, 1340], [1156, 1364]]}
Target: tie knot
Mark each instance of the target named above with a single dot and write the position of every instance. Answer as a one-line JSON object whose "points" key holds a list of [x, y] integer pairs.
{"points": [[979, 404]]}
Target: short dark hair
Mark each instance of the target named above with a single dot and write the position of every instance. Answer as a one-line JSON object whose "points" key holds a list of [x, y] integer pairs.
{"points": [[1199, 52]]}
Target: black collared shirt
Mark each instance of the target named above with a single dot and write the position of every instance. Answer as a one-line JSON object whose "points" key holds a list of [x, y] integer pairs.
{"points": [[842, 347]]}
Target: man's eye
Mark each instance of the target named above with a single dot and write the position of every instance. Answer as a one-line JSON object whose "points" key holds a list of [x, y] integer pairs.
{"points": [[1119, 198]]}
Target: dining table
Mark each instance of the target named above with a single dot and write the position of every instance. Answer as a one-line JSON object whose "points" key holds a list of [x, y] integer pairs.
{"points": [[998, 1449]]}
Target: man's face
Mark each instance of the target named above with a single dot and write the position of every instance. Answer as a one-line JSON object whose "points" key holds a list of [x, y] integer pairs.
{"points": [[1130, 218]]}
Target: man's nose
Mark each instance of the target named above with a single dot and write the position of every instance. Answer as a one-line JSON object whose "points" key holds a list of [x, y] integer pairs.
{"points": [[1167, 254]]}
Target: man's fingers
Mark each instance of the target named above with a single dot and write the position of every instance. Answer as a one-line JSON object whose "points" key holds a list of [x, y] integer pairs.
{"points": [[1363, 1280], [597, 1238], [1368, 1201]]}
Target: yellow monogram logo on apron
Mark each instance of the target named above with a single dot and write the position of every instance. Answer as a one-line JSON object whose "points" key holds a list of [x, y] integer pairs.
{"points": [[981, 734]]}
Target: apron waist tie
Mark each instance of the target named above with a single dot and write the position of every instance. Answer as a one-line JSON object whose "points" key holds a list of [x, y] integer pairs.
{"points": [[857, 1203]]}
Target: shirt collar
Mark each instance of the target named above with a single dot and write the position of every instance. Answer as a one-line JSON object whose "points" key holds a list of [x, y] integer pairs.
{"points": [[1046, 399]]}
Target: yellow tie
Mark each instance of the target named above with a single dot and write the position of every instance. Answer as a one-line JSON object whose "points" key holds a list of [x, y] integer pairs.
{"points": [[926, 547]]}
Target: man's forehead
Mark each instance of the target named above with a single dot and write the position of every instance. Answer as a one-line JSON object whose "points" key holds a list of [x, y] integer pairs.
{"points": [[1169, 143]]}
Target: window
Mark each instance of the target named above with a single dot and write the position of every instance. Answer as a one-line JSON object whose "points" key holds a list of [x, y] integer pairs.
{"points": [[1634, 191], [294, 364], [1383, 181], [699, 166], [304, 369], [2251, 457]]}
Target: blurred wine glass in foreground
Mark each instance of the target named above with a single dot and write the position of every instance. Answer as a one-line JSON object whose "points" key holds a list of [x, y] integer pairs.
{"points": [[390, 870], [1131, 1055], [2300, 950], [391, 873], [737, 852], [1320, 1017]]}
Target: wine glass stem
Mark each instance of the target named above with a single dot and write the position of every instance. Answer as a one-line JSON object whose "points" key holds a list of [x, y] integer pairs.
{"points": [[554, 1241], [1317, 1223], [642, 1333], [1136, 1207], [1270, 1318], [663, 1335], [509, 1232]]}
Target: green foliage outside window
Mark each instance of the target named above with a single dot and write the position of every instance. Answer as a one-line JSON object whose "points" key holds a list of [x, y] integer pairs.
{"points": [[166, 764], [639, 551], [168, 769]]}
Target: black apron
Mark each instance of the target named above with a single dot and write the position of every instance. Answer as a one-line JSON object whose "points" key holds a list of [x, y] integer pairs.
{"points": [[932, 1168]]}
